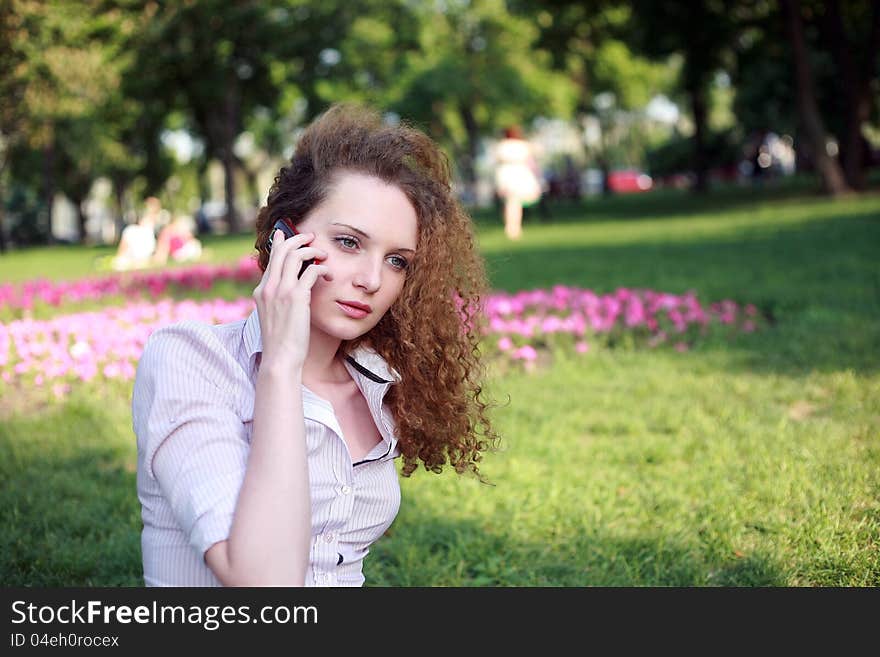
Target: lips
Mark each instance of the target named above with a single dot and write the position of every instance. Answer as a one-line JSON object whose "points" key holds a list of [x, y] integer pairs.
{"points": [[354, 309], [357, 304]]}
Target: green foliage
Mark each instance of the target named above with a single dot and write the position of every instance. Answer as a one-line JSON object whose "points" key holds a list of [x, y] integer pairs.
{"points": [[633, 80], [90, 87], [588, 42], [702, 32], [676, 154], [74, 120], [477, 70]]}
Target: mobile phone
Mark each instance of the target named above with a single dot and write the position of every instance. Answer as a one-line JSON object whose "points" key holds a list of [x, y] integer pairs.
{"points": [[287, 227]]}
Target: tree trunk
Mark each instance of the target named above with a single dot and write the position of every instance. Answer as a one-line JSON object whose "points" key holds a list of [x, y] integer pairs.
{"points": [[49, 186], [119, 194], [833, 180], [605, 168], [855, 80], [251, 180], [229, 189], [81, 218], [602, 157], [3, 246], [229, 131], [469, 173], [697, 97]]}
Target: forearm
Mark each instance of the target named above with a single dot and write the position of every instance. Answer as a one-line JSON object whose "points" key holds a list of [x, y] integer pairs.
{"points": [[271, 531]]}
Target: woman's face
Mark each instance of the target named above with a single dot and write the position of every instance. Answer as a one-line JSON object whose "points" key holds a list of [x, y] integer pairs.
{"points": [[369, 230]]}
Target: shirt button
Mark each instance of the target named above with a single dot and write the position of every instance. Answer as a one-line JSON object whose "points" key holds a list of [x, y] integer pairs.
{"points": [[329, 538], [346, 490]]}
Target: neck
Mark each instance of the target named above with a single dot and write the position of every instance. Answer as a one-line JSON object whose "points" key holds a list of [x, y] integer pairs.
{"points": [[323, 364]]}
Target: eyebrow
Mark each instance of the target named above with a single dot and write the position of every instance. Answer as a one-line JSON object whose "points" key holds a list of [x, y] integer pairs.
{"points": [[365, 236]]}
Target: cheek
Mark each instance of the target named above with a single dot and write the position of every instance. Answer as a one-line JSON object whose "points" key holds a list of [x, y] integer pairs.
{"points": [[395, 289]]}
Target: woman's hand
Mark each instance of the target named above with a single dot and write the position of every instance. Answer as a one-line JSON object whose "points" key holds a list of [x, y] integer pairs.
{"points": [[283, 300]]}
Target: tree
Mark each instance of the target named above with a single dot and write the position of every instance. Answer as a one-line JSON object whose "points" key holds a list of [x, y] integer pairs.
{"points": [[12, 87], [851, 34], [66, 123], [211, 61], [826, 164], [613, 84], [476, 70], [702, 33]]}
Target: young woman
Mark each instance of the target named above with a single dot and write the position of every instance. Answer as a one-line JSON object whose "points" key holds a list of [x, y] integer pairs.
{"points": [[266, 446]]}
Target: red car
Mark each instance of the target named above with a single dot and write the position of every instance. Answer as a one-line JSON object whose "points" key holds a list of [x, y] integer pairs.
{"points": [[629, 180]]}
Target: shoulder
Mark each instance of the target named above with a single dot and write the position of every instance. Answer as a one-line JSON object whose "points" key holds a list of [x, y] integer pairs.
{"points": [[189, 352]]}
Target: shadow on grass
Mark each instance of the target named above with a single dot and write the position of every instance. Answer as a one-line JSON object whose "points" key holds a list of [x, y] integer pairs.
{"points": [[69, 512], [426, 550], [71, 518], [818, 284], [656, 205]]}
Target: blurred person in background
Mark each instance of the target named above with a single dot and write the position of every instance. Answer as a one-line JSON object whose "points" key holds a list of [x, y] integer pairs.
{"points": [[177, 242], [517, 179], [138, 241]]}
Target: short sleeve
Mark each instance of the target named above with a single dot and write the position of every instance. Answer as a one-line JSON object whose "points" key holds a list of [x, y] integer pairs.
{"points": [[191, 439]]}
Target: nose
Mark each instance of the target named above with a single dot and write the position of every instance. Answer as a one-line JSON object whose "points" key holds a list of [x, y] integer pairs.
{"points": [[369, 275]]}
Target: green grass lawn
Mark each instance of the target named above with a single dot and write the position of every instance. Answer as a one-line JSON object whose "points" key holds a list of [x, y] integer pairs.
{"points": [[739, 463]]}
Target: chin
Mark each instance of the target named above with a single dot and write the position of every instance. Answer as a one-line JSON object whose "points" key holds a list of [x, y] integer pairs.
{"points": [[343, 329]]}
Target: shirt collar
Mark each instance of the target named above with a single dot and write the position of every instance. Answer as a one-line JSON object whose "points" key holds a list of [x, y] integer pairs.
{"points": [[365, 360]]}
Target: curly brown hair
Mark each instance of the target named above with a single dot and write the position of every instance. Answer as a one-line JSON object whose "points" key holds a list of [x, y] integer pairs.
{"points": [[430, 335]]}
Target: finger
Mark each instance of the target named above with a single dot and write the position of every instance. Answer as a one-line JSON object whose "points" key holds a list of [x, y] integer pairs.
{"points": [[277, 241], [275, 265], [293, 261], [311, 274], [296, 260], [278, 255], [308, 253], [277, 237]]}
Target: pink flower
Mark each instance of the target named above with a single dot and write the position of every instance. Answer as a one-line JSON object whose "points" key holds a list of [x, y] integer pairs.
{"points": [[505, 343], [526, 353], [582, 347]]}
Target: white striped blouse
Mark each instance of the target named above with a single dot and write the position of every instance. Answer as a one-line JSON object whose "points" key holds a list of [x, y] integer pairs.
{"points": [[194, 396]]}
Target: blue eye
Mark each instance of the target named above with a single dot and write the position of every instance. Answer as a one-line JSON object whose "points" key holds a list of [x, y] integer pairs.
{"points": [[351, 243], [348, 242], [398, 262]]}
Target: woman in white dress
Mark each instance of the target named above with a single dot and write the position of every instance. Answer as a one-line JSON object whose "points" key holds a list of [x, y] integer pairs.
{"points": [[516, 179]]}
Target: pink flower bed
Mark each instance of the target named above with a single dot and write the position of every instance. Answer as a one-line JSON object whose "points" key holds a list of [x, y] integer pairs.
{"points": [[562, 315], [23, 296], [79, 347]]}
